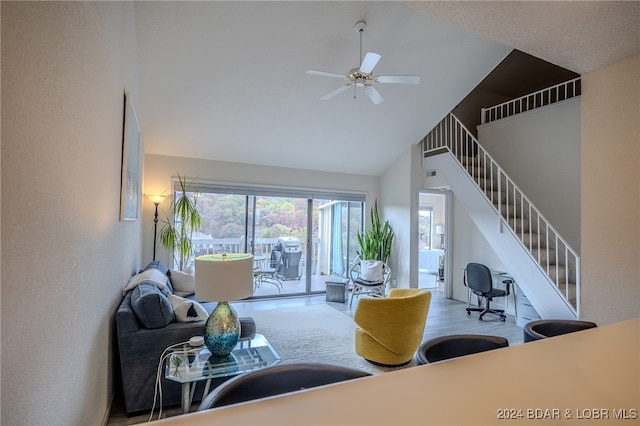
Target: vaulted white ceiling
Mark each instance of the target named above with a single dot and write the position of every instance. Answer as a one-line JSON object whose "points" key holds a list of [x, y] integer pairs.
{"points": [[226, 80]]}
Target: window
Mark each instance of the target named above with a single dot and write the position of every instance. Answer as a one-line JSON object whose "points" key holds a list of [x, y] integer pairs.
{"points": [[322, 227], [425, 221]]}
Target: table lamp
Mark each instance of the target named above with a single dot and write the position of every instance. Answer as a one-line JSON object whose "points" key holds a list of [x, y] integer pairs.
{"points": [[440, 231], [222, 278]]}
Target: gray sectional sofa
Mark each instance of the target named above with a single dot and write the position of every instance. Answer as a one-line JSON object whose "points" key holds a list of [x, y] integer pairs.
{"points": [[145, 328]]}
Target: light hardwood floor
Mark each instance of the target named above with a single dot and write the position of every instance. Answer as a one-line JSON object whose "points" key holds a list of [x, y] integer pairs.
{"points": [[446, 316]]}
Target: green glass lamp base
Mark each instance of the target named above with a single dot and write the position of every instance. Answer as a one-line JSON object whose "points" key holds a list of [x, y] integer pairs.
{"points": [[222, 330]]}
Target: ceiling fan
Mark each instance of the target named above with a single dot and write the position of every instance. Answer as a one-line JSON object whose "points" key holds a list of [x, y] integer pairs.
{"points": [[363, 77]]}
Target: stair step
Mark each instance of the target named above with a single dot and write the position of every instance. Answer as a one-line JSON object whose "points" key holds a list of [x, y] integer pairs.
{"points": [[467, 160], [478, 171], [531, 240], [519, 226], [494, 196], [486, 183], [545, 256], [562, 274], [571, 289], [508, 209]]}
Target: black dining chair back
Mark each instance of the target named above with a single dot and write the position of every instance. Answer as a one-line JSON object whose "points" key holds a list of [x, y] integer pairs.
{"points": [[453, 346], [279, 379], [541, 329]]}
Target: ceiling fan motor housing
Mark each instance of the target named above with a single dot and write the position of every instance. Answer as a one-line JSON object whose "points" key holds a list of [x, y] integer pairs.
{"points": [[357, 76]]}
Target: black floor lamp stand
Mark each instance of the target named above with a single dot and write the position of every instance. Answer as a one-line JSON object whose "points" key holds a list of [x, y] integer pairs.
{"points": [[155, 230]]}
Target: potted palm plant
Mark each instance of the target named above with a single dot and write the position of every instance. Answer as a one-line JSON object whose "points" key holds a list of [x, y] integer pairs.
{"points": [[375, 244], [178, 226]]}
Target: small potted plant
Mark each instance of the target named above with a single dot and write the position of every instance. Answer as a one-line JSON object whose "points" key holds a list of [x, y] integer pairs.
{"points": [[376, 243]]}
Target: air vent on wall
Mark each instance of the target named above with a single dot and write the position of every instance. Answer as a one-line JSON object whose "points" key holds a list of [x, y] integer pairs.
{"points": [[429, 173]]}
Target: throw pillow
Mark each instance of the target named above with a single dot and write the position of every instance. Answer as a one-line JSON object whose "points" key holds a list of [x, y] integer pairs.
{"points": [[184, 282], [153, 276], [371, 270], [152, 308], [156, 264], [187, 310]]}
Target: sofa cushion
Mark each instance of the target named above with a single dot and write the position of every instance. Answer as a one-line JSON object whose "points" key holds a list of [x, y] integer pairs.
{"points": [[152, 308], [125, 317], [187, 310]]}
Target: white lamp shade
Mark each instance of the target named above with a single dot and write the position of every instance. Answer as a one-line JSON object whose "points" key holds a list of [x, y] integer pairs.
{"points": [[156, 199], [224, 277], [439, 229]]}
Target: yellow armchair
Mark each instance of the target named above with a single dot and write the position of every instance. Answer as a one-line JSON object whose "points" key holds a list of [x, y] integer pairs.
{"points": [[389, 330]]}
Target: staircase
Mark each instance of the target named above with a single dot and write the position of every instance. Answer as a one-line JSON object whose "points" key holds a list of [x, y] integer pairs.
{"points": [[544, 266]]}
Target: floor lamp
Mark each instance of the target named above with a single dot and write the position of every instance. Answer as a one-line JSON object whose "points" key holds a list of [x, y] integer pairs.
{"points": [[440, 231], [156, 199]]}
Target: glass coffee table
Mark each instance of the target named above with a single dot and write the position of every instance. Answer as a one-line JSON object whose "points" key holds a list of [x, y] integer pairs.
{"points": [[188, 365]]}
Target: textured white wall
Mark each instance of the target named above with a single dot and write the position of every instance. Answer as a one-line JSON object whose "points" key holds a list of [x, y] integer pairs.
{"points": [[395, 205], [65, 254], [611, 192]]}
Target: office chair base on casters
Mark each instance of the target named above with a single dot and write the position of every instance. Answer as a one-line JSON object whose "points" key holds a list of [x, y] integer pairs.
{"points": [[499, 312]]}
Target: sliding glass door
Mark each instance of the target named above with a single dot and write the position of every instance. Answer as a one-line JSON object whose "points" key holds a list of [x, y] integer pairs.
{"points": [[299, 243], [279, 243]]}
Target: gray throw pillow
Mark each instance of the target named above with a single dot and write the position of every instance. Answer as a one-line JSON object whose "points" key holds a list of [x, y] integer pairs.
{"points": [[152, 308]]}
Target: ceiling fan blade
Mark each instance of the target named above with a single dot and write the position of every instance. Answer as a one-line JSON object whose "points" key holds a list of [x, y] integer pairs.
{"points": [[399, 79], [326, 74], [335, 92], [373, 94], [369, 62]]}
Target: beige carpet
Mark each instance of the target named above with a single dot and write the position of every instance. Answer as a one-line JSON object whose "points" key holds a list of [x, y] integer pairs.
{"points": [[313, 333]]}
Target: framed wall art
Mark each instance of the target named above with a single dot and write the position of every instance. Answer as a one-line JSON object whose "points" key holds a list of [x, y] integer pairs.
{"points": [[131, 180]]}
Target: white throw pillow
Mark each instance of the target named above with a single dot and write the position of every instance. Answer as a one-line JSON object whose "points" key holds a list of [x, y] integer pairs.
{"points": [[150, 275], [184, 282], [371, 270], [187, 310]]}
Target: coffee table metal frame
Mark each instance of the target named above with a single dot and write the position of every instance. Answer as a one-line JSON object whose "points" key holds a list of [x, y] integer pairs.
{"points": [[188, 365]]}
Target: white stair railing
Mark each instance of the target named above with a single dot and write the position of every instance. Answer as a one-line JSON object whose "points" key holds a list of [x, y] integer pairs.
{"points": [[557, 93], [542, 241]]}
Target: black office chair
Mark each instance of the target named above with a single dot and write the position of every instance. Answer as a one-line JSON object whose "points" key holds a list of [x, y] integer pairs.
{"points": [[453, 346], [276, 380], [479, 280], [541, 329]]}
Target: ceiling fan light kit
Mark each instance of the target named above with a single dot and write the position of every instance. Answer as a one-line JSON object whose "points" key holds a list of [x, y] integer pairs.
{"points": [[362, 77]]}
